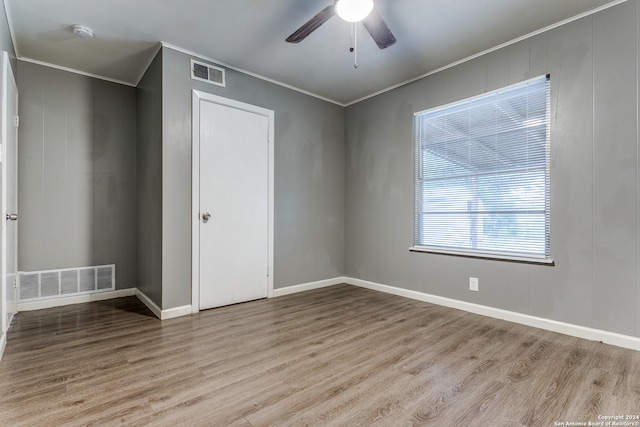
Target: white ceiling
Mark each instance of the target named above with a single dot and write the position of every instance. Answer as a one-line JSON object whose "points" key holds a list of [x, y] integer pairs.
{"points": [[250, 34]]}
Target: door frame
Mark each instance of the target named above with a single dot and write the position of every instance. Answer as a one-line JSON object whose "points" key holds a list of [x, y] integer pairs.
{"points": [[197, 98], [7, 77]]}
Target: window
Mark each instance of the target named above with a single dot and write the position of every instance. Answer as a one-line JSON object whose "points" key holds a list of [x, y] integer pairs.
{"points": [[482, 175]]}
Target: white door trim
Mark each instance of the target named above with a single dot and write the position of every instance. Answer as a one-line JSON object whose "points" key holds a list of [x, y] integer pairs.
{"points": [[197, 98], [3, 198], [7, 105]]}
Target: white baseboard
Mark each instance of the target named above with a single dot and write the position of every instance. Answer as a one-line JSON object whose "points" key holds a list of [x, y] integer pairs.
{"points": [[159, 313], [606, 337], [308, 286], [3, 344], [101, 296], [171, 313], [149, 303], [612, 338], [76, 299]]}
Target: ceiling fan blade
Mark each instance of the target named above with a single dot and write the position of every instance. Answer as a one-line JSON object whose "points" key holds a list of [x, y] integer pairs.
{"points": [[312, 24], [378, 29]]}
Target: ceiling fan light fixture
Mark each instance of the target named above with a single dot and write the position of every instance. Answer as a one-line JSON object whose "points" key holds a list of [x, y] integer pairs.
{"points": [[353, 10]]}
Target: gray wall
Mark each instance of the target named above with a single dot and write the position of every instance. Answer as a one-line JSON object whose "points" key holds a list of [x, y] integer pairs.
{"points": [[149, 157], [77, 182], [594, 173], [309, 178]]}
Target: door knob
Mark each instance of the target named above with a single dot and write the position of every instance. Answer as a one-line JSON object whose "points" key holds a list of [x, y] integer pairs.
{"points": [[12, 217], [206, 216]]}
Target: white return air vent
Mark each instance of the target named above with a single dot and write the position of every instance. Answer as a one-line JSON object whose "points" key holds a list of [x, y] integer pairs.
{"points": [[207, 73], [40, 285]]}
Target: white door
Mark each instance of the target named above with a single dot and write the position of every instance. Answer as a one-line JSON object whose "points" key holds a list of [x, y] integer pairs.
{"points": [[234, 204], [9, 197]]}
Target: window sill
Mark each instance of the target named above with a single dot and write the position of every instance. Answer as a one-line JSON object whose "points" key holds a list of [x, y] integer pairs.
{"points": [[493, 257]]}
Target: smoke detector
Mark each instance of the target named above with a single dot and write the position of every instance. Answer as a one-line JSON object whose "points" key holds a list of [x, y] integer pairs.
{"points": [[82, 31]]}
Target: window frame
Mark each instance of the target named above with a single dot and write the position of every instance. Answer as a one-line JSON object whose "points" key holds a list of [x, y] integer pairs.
{"points": [[418, 222]]}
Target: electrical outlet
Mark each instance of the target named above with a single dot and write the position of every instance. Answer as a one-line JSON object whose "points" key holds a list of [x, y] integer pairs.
{"points": [[473, 284]]}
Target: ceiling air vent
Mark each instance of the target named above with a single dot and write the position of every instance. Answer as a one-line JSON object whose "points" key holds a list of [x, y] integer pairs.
{"points": [[207, 73]]}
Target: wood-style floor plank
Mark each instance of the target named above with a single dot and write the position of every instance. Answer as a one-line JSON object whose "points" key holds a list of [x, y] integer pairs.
{"points": [[339, 356]]}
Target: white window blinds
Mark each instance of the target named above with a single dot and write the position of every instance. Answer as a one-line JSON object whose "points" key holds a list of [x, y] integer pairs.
{"points": [[482, 174]]}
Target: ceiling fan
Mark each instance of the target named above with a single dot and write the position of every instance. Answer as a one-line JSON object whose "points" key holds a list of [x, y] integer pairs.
{"points": [[351, 11]]}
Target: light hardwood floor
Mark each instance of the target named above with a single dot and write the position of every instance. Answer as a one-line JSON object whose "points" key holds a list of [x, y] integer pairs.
{"points": [[339, 356]]}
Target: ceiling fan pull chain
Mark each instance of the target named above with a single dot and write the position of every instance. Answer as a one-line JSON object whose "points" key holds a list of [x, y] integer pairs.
{"points": [[354, 32]]}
